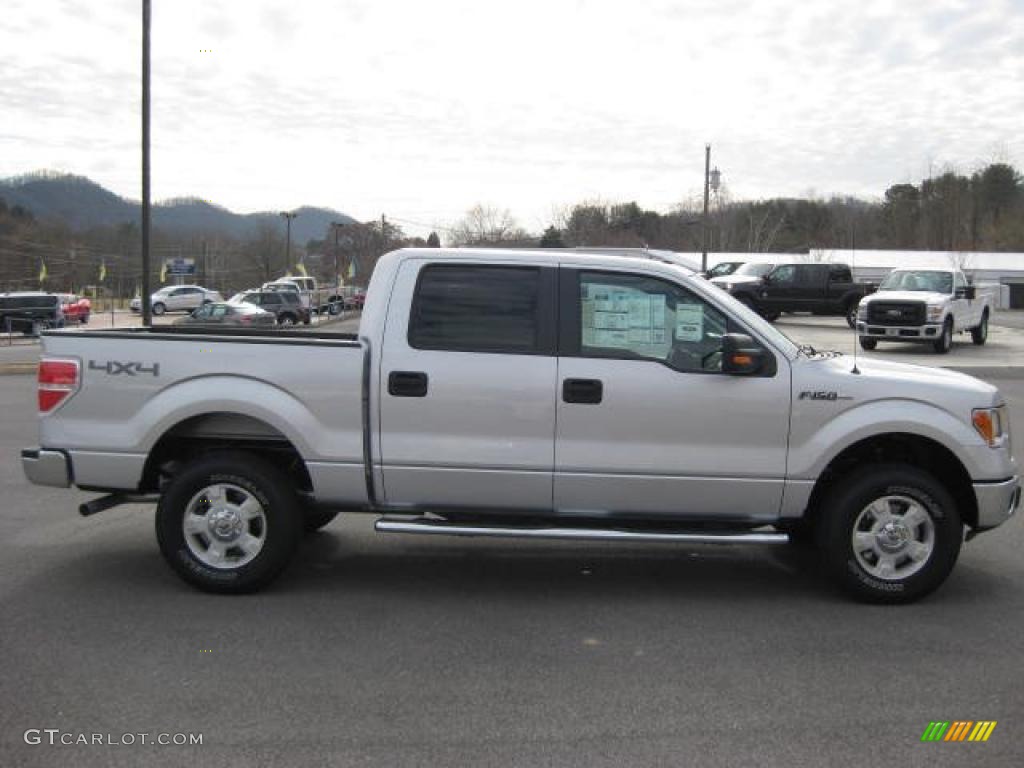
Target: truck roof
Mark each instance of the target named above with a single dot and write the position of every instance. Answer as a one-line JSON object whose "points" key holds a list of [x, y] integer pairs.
{"points": [[618, 257]]}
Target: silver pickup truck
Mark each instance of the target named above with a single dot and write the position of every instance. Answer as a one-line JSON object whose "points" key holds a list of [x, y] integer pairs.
{"points": [[530, 394]]}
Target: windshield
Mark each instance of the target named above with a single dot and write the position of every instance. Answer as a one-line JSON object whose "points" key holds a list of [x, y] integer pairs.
{"points": [[918, 280], [238, 297], [755, 269], [725, 268]]}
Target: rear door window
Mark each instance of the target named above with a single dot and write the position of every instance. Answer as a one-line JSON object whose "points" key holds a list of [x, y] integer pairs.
{"points": [[483, 308]]}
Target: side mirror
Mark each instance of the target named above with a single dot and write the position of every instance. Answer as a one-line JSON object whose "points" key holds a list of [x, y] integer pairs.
{"points": [[766, 279], [968, 292], [740, 355]]}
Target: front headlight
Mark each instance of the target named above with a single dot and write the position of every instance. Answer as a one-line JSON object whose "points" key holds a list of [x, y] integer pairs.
{"points": [[992, 424], [934, 314], [862, 311]]}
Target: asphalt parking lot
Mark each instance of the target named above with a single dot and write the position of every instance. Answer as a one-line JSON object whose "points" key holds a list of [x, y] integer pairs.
{"points": [[395, 651]]}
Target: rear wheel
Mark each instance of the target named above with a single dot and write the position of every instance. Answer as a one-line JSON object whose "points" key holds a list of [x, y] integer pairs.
{"points": [[889, 533], [979, 335], [159, 308], [228, 522], [286, 319], [868, 343], [944, 343], [851, 314]]}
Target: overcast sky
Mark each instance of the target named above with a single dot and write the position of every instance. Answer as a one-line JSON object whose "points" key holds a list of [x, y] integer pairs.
{"points": [[421, 109]]}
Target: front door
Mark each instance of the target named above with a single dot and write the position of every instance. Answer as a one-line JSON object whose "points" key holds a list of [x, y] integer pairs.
{"points": [[467, 387], [648, 425]]}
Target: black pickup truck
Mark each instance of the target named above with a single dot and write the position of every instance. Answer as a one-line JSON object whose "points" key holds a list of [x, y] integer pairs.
{"points": [[822, 289]]}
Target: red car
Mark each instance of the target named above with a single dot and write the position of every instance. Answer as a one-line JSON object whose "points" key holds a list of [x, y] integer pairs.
{"points": [[76, 309]]}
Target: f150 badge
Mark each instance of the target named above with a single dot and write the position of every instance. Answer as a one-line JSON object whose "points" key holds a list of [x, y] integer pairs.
{"points": [[823, 394], [115, 368]]}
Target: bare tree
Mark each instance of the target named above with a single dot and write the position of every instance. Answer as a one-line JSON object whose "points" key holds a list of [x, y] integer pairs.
{"points": [[486, 225]]}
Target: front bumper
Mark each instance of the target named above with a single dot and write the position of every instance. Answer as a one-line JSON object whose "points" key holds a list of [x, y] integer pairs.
{"points": [[899, 332], [43, 467], [997, 501]]}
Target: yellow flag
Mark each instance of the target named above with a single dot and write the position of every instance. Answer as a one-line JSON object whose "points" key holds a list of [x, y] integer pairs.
{"points": [[351, 269], [42, 270], [103, 270], [302, 269], [163, 273]]}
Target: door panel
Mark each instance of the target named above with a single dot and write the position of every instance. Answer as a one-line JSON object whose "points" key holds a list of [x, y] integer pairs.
{"points": [[460, 428], [669, 438]]}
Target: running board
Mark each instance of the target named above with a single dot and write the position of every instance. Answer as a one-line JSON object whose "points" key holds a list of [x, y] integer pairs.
{"points": [[443, 528]]}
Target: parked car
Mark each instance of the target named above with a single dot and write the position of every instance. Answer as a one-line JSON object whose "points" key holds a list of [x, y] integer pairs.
{"points": [[928, 305], [29, 312], [356, 300], [822, 289], [285, 306], [76, 309], [224, 313], [723, 268], [513, 393], [177, 298], [316, 298]]}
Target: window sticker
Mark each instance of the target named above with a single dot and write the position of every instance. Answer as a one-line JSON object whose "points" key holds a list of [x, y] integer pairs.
{"points": [[606, 338], [690, 322]]}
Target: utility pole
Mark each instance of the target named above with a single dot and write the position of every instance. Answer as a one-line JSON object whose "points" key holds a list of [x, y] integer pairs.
{"points": [[147, 318], [288, 216], [704, 221]]}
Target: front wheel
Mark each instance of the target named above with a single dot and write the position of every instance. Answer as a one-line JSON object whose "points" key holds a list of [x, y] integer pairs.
{"points": [[229, 522], [979, 335], [944, 343], [868, 343], [889, 533]]}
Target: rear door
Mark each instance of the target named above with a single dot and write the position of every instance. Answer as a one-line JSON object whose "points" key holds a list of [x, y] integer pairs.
{"points": [[648, 425], [467, 387]]}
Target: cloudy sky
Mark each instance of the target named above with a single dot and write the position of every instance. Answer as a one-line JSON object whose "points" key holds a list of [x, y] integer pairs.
{"points": [[421, 109]]}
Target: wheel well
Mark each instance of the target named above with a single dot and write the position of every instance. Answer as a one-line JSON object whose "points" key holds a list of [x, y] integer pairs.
{"points": [[208, 432], [920, 452]]}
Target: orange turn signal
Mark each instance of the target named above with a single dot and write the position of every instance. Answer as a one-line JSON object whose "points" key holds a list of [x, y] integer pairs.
{"points": [[988, 424]]}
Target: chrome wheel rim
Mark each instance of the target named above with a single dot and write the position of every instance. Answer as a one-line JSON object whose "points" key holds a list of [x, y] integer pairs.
{"points": [[224, 526], [893, 537]]}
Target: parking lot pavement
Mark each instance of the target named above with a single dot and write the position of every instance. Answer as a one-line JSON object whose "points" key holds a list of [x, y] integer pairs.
{"points": [[1004, 348], [1010, 318], [393, 651]]}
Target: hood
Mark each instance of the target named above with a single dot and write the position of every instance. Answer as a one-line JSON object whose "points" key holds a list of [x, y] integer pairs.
{"points": [[929, 297], [956, 393], [735, 280]]}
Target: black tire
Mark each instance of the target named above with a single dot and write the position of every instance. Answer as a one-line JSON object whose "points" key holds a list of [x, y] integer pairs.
{"points": [[85, 319], [286, 319], [314, 519], [944, 343], [848, 500], [850, 311], [159, 308], [249, 474], [748, 302], [334, 308], [867, 343], [979, 335], [771, 317]]}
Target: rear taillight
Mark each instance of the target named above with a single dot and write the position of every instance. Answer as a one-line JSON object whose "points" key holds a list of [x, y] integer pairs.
{"points": [[58, 380]]}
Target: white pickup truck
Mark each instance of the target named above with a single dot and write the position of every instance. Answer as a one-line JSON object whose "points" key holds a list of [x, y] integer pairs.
{"points": [[924, 305], [315, 297], [527, 394]]}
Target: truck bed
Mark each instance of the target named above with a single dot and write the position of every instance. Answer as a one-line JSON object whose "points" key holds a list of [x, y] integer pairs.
{"points": [[143, 387]]}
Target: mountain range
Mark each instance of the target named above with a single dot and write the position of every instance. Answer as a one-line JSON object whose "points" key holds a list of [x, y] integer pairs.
{"points": [[82, 204]]}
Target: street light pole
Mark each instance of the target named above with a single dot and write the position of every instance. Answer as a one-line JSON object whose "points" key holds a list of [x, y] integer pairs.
{"points": [[704, 221], [288, 216], [147, 318], [337, 225]]}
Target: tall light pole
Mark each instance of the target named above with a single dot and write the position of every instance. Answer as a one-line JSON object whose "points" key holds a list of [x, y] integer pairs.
{"points": [[288, 216], [704, 221], [147, 318]]}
